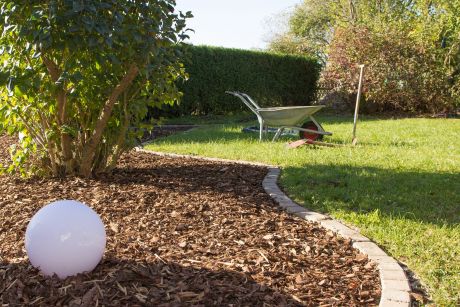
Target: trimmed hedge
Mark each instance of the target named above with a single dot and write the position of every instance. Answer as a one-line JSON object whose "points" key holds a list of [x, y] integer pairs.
{"points": [[271, 79]]}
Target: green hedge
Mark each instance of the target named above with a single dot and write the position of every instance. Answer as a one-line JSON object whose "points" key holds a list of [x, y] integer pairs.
{"points": [[271, 79]]}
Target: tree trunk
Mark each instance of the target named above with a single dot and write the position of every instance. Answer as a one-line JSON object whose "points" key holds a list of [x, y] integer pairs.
{"points": [[352, 11], [89, 151], [66, 139]]}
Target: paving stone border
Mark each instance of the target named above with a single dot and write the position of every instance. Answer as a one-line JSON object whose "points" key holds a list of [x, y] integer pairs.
{"points": [[395, 284]]}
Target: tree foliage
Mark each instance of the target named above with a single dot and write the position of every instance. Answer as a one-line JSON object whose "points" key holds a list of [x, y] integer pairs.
{"points": [[76, 75], [311, 28], [411, 48], [393, 67]]}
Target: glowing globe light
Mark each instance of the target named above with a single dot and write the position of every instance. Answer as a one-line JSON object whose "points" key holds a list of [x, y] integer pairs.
{"points": [[65, 238]]}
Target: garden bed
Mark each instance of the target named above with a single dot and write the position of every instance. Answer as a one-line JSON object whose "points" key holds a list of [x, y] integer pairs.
{"points": [[183, 232], [164, 131]]}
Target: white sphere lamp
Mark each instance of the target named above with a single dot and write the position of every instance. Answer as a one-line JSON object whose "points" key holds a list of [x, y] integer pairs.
{"points": [[65, 238]]}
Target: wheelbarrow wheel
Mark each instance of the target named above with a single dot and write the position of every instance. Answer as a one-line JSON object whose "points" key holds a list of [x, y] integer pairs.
{"points": [[308, 135]]}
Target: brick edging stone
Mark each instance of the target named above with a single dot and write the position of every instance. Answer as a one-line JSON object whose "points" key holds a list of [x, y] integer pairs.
{"points": [[394, 282]]}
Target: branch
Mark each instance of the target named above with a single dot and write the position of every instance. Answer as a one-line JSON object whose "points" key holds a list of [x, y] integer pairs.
{"points": [[107, 110], [55, 72], [29, 61], [52, 67], [90, 148], [61, 118], [32, 131], [119, 145]]}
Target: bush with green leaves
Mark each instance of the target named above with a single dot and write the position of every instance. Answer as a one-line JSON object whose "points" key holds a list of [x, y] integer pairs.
{"points": [[271, 79], [400, 74], [411, 48], [75, 76]]}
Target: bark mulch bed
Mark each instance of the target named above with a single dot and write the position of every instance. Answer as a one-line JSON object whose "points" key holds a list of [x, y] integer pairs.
{"points": [[183, 232], [164, 131]]}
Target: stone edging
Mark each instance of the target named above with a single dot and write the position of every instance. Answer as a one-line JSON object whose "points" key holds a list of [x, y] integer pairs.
{"points": [[395, 284]]}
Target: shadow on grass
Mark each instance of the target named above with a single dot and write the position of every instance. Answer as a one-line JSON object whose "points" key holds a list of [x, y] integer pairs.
{"points": [[322, 116], [421, 196], [232, 132], [219, 135], [228, 136], [117, 282]]}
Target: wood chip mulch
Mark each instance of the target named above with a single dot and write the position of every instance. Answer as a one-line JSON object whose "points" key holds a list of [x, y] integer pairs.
{"points": [[164, 131], [183, 232]]}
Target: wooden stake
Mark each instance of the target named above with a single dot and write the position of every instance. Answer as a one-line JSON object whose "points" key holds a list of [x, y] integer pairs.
{"points": [[358, 98]]}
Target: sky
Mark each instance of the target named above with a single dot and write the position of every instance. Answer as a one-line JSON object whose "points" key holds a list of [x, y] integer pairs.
{"points": [[244, 24]]}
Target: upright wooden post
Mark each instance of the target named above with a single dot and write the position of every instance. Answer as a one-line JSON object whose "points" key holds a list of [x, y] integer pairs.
{"points": [[358, 98]]}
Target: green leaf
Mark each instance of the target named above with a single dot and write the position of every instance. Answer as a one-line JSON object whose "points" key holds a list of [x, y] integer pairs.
{"points": [[69, 130], [10, 86], [62, 78], [78, 6]]}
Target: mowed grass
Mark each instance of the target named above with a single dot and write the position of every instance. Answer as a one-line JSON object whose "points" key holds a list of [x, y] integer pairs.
{"points": [[400, 186]]}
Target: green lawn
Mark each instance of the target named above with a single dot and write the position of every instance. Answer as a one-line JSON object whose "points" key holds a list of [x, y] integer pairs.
{"points": [[400, 186]]}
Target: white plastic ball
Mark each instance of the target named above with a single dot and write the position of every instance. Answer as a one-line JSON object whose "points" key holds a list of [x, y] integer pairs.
{"points": [[65, 238]]}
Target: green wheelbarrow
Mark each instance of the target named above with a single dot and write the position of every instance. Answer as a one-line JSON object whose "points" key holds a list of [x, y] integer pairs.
{"points": [[298, 118]]}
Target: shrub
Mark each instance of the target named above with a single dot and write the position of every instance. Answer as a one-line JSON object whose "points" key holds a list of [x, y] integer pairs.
{"points": [[401, 74], [411, 47], [271, 79], [76, 75]]}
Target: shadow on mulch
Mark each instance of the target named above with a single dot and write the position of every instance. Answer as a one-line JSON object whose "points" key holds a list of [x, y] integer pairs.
{"points": [[197, 177], [122, 282]]}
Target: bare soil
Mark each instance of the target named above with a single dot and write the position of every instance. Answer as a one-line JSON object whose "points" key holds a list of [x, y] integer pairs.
{"points": [[182, 232]]}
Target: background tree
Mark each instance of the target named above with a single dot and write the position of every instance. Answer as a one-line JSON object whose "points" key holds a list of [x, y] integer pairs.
{"points": [[312, 25], [410, 47], [76, 75]]}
